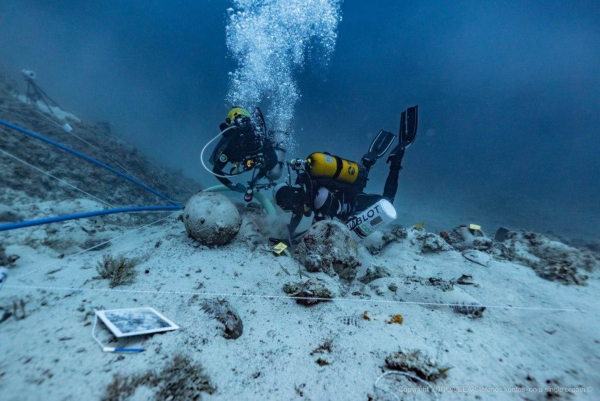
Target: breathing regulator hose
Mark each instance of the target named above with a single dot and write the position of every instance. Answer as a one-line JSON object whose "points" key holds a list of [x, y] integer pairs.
{"points": [[204, 149], [266, 203]]}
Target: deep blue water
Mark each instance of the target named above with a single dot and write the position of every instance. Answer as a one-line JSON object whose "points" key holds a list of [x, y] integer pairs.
{"points": [[509, 91]]}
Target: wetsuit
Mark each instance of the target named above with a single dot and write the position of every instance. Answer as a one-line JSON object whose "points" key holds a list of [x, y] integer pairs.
{"points": [[328, 199], [241, 145]]}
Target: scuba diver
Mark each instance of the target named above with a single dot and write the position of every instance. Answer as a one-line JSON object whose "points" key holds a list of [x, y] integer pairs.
{"points": [[246, 144], [330, 186]]}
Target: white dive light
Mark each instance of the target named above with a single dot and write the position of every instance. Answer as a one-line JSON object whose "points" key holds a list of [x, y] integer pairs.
{"points": [[366, 222]]}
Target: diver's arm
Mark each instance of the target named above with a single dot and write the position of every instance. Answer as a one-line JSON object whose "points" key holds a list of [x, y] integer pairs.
{"points": [[257, 177], [294, 223]]}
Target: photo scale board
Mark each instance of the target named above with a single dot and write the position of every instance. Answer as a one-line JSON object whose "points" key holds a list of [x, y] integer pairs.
{"points": [[135, 321]]}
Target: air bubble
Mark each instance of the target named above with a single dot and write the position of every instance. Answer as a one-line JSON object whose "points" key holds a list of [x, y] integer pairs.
{"points": [[270, 40]]}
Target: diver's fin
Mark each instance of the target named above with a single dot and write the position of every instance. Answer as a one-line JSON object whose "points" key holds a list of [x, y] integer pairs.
{"points": [[381, 143], [379, 146], [408, 134], [408, 126]]}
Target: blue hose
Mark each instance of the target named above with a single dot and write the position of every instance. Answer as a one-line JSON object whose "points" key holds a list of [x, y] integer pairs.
{"points": [[22, 224], [89, 159]]}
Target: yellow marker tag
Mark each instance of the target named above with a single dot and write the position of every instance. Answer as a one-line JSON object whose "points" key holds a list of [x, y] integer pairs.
{"points": [[279, 248], [420, 225], [474, 227]]}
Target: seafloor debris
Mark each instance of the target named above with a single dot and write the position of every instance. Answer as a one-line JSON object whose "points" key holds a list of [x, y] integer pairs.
{"points": [[471, 309], [329, 247], [7, 260], [373, 273], [465, 279], [221, 310], [417, 362], [429, 242], [550, 259], [309, 292], [322, 362], [118, 269], [8, 216], [437, 282], [211, 218], [180, 379], [477, 257], [398, 319], [326, 347], [252, 228], [380, 239], [350, 321], [437, 292], [463, 238]]}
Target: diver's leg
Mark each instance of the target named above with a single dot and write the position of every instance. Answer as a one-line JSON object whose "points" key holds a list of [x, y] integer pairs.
{"points": [[391, 183], [379, 146]]}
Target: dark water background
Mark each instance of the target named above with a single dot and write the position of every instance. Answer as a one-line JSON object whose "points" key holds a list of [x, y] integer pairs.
{"points": [[509, 94]]}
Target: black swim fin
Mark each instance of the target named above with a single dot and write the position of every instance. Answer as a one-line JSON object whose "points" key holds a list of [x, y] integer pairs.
{"points": [[379, 146], [408, 126], [407, 134], [382, 142]]}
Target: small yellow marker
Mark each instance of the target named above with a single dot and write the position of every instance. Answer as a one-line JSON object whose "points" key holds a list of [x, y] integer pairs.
{"points": [[474, 227], [420, 225], [279, 248]]}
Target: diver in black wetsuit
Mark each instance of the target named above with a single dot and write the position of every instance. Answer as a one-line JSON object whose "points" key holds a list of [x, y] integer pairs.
{"points": [[329, 186], [246, 146]]}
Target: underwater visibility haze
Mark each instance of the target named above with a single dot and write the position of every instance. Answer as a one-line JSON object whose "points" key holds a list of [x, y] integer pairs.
{"points": [[320, 199]]}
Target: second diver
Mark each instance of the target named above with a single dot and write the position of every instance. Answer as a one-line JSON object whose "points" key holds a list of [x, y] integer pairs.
{"points": [[245, 145], [330, 186]]}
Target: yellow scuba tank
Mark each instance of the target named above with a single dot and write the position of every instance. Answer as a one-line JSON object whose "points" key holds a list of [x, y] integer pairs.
{"points": [[326, 166]]}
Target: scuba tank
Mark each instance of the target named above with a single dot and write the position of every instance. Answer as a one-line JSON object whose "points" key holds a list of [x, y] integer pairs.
{"points": [[366, 222], [276, 172], [321, 165], [278, 138]]}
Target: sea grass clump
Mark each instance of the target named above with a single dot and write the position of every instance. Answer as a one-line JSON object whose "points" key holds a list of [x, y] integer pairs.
{"points": [[179, 379], [118, 269]]}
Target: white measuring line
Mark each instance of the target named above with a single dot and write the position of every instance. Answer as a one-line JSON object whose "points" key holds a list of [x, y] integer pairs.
{"points": [[148, 254], [119, 141], [285, 297], [56, 178], [103, 152], [93, 247]]}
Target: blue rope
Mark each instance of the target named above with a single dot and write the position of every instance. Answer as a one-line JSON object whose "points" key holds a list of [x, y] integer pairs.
{"points": [[87, 158], [22, 224]]}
